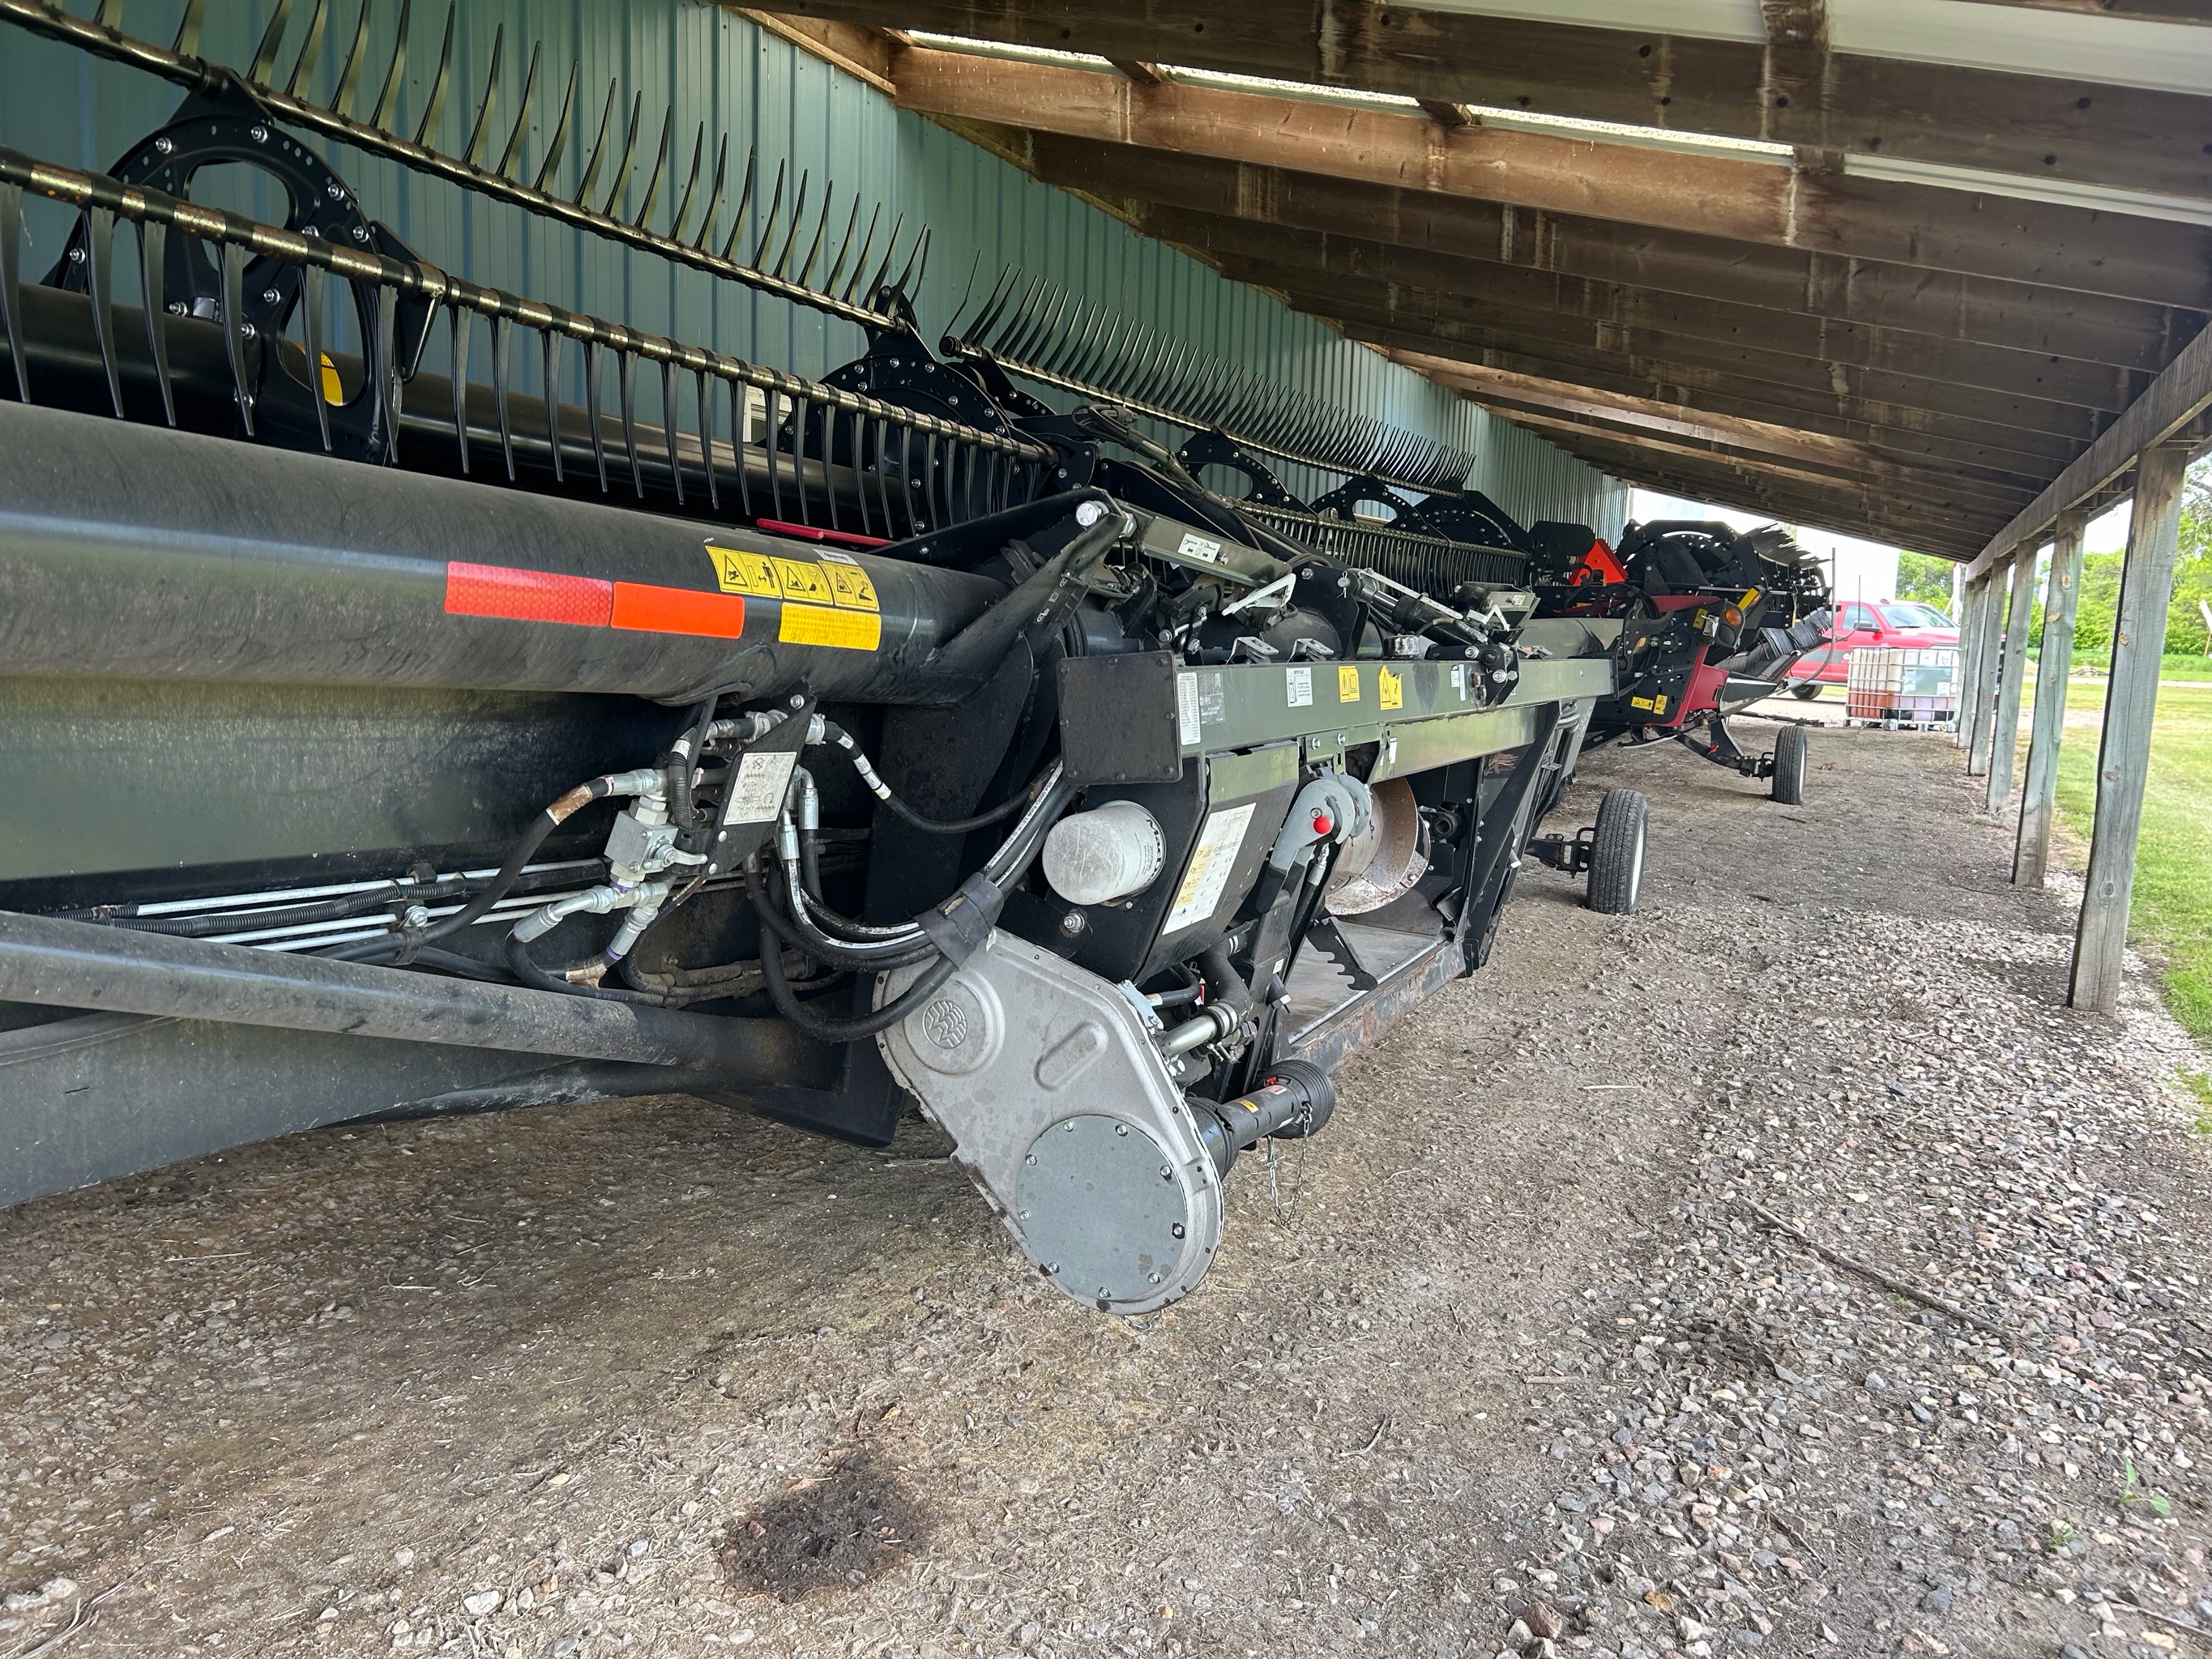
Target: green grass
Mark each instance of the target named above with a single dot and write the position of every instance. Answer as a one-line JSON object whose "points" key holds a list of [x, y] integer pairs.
{"points": [[2172, 915], [2171, 667], [2200, 1085]]}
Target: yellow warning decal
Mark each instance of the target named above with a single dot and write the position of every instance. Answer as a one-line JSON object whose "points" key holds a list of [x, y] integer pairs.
{"points": [[1643, 702], [736, 571], [819, 624], [802, 579], [848, 584], [1347, 684], [1390, 689], [1659, 703]]}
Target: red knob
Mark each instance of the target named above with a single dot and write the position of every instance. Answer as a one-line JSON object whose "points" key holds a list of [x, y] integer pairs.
{"points": [[1322, 824]]}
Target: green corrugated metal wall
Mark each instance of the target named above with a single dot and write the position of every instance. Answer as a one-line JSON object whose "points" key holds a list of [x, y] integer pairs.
{"points": [[982, 214]]}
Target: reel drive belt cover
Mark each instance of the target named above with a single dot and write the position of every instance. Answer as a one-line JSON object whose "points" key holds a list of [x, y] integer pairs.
{"points": [[1067, 1119]]}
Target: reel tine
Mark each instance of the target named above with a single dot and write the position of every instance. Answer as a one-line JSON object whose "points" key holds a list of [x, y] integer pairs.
{"points": [[859, 479], [153, 279], [311, 336], [100, 267], [802, 411], [626, 384], [767, 224], [387, 96], [440, 83], [480, 129], [549, 347], [628, 159], [582, 198], [502, 338], [592, 409], [714, 193], [1039, 325], [457, 329], [651, 198], [883, 270], [513, 151], [798, 218], [690, 187], [867, 247], [828, 453], [821, 233], [992, 306], [917, 261], [967, 291], [744, 205], [771, 439], [356, 58], [272, 41], [310, 49], [110, 13], [705, 401], [559, 141], [740, 413], [187, 43], [670, 424], [233, 338], [844, 248], [1018, 321], [386, 357], [880, 427]]}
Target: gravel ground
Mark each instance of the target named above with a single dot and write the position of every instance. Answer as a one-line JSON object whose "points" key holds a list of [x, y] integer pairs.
{"points": [[1522, 1357]]}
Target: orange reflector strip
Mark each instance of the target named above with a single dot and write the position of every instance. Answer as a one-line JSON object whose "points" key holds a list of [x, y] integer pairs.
{"points": [[649, 609], [491, 590]]}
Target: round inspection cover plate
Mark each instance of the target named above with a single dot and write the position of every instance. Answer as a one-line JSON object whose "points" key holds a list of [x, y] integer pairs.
{"points": [[1098, 1205]]}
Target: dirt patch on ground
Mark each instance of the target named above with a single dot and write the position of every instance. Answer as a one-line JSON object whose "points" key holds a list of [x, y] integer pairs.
{"points": [[849, 1525], [1504, 1358]]}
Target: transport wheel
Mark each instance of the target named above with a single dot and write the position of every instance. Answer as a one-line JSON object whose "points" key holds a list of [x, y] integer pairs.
{"points": [[1616, 866], [1806, 691], [1790, 765]]}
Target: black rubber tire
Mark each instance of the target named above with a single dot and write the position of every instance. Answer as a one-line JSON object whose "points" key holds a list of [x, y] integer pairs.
{"points": [[1616, 866], [1806, 691], [1790, 765]]}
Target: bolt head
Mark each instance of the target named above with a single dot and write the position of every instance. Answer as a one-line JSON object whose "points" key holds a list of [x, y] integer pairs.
{"points": [[1177, 1230], [164, 146], [1120, 1128], [259, 135], [269, 297], [1071, 923]]}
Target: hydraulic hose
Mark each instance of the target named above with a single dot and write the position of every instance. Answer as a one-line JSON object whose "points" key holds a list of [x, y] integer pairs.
{"points": [[827, 1029], [835, 733], [527, 969], [532, 838]]}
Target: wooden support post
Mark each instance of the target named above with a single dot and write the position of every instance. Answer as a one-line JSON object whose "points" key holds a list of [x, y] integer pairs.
{"points": [[2130, 704], [1989, 626], [2005, 739], [2031, 857], [1970, 651]]}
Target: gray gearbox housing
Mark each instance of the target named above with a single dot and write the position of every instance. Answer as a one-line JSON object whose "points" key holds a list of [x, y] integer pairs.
{"points": [[1064, 1113]]}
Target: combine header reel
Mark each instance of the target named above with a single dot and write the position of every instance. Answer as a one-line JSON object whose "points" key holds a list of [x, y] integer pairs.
{"points": [[445, 700]]}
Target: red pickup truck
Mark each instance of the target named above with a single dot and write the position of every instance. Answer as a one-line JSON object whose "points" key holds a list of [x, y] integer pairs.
{"points": [[1857, 623]]}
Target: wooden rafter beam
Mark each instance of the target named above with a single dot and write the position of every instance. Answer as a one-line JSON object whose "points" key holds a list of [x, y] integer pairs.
{"points": [[2043, 127], [1742, 200], [1858, 513], [862, 53], [2173, 402], [1896, 430], [1502, 389], [1472, 291], [1151, 188], [1671, 357]]}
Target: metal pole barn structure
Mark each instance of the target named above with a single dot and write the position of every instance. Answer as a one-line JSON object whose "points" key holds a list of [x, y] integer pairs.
{"points": [[1934, 278]]}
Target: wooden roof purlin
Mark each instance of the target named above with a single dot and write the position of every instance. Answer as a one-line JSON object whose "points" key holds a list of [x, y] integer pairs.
{"points": [[1889, 284]]}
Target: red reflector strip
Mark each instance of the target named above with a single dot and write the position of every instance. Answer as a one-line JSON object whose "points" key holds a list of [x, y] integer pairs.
{"points": [[491, 590], [807, 532], [649, 609]]}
